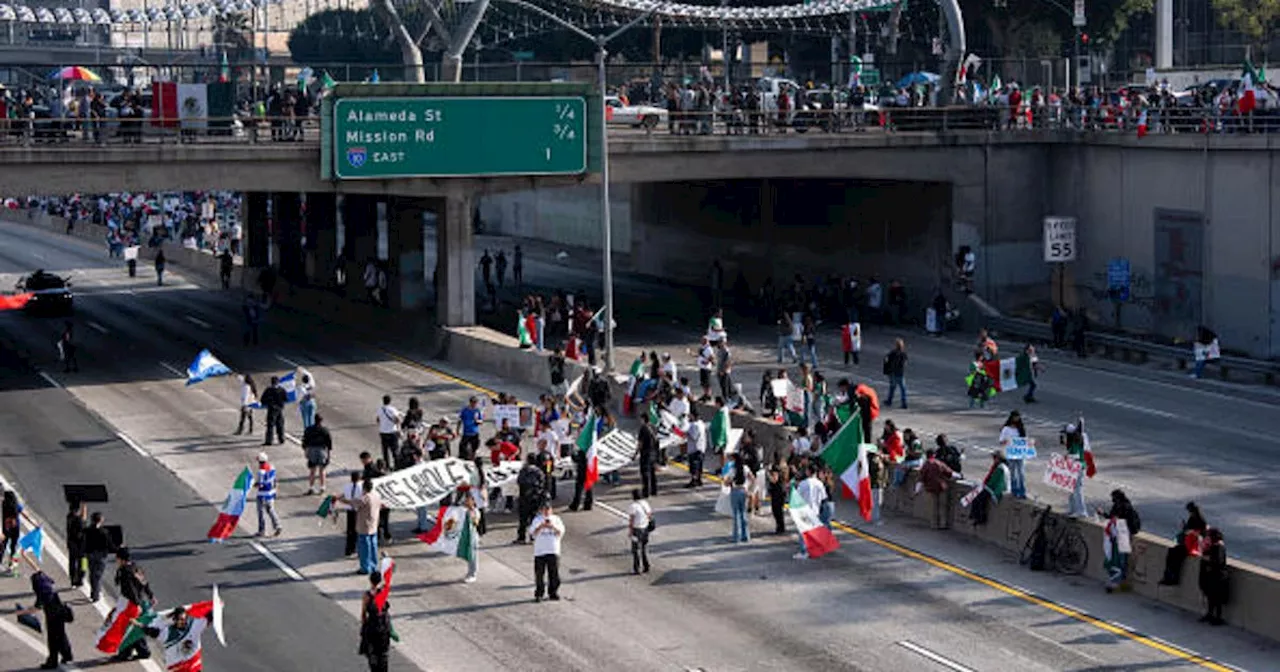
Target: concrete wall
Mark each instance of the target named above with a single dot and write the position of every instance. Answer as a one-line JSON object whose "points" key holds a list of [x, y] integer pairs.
{"points": [[567, 215], [1254, 590]]}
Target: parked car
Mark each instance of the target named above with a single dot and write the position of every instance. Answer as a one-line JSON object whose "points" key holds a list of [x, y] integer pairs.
{"points": [[635, 116]]}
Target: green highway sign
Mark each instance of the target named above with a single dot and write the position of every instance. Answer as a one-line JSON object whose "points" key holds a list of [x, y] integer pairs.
{"points": [[382, 138]]}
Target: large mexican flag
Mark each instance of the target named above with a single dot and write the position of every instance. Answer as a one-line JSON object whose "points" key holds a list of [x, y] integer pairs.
{"points": [[1009, 373], [846, 454]]}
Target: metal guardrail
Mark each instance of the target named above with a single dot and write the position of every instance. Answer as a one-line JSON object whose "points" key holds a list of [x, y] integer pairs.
{"points": [[657, 124], [1135, 350]]}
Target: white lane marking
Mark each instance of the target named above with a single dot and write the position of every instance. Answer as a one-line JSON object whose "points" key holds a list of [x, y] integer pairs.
{"points": [[173, 369], [49, 379], [32, 643], [198, 322], [292, 438], [935, 657], [60, 557], [1141, 409], [137, 447], [97, 327], [275, 560], [610, 509], [288, 361]]}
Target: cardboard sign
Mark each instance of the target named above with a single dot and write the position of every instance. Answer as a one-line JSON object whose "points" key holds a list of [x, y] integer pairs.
{"points": [[85, 493], [1062, 472], [517, 417], [1020, 448]]}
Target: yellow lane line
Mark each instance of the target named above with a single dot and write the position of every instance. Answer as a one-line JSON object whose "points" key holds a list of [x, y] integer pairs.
{"points": [[1063, 610]]}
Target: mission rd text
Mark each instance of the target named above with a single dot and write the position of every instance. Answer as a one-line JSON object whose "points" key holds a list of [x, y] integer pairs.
{"points": [[379, 120]]}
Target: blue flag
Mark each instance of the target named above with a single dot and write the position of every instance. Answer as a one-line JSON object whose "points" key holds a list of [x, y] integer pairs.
{"points": [[290, 387], [204, 366], [33, 541], [374, 79]]}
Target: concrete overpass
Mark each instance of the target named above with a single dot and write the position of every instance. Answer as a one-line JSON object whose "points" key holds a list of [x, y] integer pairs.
{"points": [[1193, 214]]}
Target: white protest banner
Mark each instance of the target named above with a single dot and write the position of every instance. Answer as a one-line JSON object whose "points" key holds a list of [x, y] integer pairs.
{"points": [[424, 483], [670, 431], [973, 494], [795, 399], [780, 387], [508, 412], [1062, 472], [735, 435], [614, 451], [131, 253], [1021, 448]]}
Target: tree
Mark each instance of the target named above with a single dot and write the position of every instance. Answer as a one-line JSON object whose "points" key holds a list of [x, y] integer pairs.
{"points": [[1015, 29], [1255, 19], [233, 35]]}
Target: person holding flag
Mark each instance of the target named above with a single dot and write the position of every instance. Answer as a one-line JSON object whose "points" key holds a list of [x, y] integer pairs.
{"points": [[585, 466], [1077, 444], [180, 637], [375, 623], [56, 617]]}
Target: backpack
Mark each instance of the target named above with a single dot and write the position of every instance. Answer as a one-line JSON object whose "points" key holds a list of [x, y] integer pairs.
{"points": [[1134, 521]]}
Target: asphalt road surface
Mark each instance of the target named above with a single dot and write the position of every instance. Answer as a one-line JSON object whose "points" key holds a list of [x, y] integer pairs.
{"points": [[708, 605], [1162, 438]]}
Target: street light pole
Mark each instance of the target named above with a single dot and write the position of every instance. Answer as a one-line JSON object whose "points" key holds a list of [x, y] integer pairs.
{"points": [[606, 223]]}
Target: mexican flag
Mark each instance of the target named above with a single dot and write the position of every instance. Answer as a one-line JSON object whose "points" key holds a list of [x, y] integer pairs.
{"points": [[1142, 124], [452, 533], [522, 331], [1009, 373], [587, 443], [386, 568], [846, 454], [818, 540], [231, 510], [720, 424], [326, 508], [118, 631], [997, 481], [1249, 81], [1116, 543], [634, 376]]}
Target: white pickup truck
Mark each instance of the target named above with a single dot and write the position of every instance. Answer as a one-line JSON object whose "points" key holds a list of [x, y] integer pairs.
{"points": [[636, 116]]}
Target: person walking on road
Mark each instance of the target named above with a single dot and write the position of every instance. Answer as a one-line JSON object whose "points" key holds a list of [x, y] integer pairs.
{"points": [[470, 418], [724, 368], [375, 626], [367, 505], [307, 401], [77, 517], [813, 492], [1214, 577], [317, 445], [350, 493], [517, 268], [546, 530], [67, 349], [266, 485], [895, 367], [56, 617], [273, 399], [532, 483], [97, 546], [11, 511], [741, 481], [779, 478], [252, 310], [160, 264], [225, 264], [695, 447], [639, 525], [248, 397], [389, 429], [647, 447], [135, 588]]}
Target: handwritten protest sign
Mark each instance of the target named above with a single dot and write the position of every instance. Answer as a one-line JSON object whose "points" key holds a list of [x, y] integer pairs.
{"points": [[1021, 448], [1062, 472]]}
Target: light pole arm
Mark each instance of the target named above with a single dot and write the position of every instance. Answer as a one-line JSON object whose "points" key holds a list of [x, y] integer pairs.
{"points": [[601, 41], [552, 18]]}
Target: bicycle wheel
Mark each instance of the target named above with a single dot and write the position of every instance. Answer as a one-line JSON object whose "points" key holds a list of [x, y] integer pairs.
{"points": [[1025, 557], [1072, 553]]}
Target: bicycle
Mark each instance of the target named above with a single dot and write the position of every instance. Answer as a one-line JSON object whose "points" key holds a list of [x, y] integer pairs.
{"points": [[1062, 549]]}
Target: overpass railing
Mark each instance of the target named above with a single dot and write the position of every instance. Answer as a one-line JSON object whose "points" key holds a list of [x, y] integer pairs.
{"points": [[657, 123], [1135, 350]]}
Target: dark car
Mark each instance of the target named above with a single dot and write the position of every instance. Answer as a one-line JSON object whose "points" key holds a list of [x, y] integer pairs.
{"points": [[52, 293]]}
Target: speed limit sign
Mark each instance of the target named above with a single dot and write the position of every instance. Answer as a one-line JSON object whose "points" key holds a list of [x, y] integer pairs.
{"points": [[1059, 239]]}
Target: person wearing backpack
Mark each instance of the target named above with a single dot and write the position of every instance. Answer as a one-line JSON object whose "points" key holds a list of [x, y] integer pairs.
{"points": [[375, 625], [1121, 509], [56, 617], [532, 483], [639, 524]]}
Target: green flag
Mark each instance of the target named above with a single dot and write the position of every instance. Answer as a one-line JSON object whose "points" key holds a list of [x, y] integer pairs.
{"points": [[587, 435], [327, 82], [720, 424]]}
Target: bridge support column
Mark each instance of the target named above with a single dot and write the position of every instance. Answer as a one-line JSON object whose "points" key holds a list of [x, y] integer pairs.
{"points": [[287, 222], [455, 259], [406, 278], [360, 223], [256, 241], [322, 238]]}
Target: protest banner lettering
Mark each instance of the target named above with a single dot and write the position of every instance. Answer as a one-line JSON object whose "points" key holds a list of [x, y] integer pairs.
{"points": [[424, 483], [780, 387], [1021, 448], [1062, 472], [516, 416]]}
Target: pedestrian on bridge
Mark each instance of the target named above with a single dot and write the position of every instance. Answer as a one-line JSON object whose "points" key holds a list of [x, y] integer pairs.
{"points": [[160, 264]]}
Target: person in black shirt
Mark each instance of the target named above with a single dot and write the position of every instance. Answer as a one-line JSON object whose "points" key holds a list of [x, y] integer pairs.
{"points": [[647, 446], [273, 399], [134, 587], [556, 364], [318, 445], [547, 462], [532, 483], [97, 546], [76, 514], [56, 617]]}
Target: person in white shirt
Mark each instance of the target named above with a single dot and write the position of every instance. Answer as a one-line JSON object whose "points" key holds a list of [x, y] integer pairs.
{"points": [[669, 368], [801, 445], [389, 429], [679, 407], [248, 397], [639, 525], [706, 364], [696, 446], [875, 299], [351, 492], [307, 401], [546, 531], [813, 492]]}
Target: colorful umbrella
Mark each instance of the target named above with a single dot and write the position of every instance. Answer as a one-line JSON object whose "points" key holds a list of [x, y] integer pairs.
{"points": [[77, 73]]}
